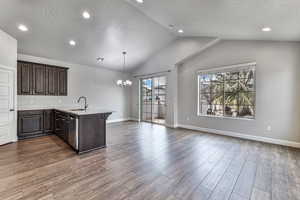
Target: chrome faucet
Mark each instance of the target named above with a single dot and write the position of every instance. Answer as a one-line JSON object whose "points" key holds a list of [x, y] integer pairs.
{"points": [[85, 101]]}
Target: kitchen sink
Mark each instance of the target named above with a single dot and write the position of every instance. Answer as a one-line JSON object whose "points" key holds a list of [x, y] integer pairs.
{"points": [[79, 109]]}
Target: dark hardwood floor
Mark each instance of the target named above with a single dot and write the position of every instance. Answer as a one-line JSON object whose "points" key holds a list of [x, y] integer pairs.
{"points": [[144, 161]]}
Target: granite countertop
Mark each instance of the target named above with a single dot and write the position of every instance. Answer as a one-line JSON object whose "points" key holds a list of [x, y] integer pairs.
{"points": [[68, 109], [85, 112]]}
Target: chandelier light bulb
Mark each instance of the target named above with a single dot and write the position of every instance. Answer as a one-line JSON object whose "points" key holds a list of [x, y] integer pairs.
{"points": [[121, 82], [128, 82]]}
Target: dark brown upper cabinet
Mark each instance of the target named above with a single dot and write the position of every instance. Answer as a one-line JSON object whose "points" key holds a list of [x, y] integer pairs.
{"points": [[51, 81], [24, 78], [38, 80], [42, 79], [63, 82]]}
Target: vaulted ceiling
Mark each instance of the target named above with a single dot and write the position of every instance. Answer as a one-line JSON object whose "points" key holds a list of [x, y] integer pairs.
{"points": [[114, 26], [140, 29], [228, 19]]}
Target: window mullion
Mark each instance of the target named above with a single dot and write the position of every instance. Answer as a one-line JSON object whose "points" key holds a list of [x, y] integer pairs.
{"points": [[209, 96], [223, 94]]}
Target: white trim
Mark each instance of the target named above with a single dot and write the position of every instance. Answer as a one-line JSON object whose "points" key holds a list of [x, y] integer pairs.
{"points": [[169, 125], [223, 117], [121, 120], [9, 68], [234, 67], [134, 119], [226, 67], [14, 137], [117, 120], [151, 75], [139, 100], [243, 136]]}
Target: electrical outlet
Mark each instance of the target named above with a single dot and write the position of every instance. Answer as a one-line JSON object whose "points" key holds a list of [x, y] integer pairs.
{"points": [[269, 128]]}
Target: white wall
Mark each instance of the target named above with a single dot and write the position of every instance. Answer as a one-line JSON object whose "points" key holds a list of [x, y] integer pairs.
{"points": [[278, 88], [8, 50], [97, 84], [167, 59], [177, 51]]}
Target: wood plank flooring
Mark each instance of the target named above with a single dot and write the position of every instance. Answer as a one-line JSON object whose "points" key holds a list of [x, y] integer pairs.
{"points": [[145, 161]]}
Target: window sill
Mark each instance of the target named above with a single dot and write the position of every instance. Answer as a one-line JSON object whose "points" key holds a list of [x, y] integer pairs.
{"points": [[221, 117]]}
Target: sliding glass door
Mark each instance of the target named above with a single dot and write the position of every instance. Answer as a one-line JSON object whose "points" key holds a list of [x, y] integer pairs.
{"points": [[153, 98], [146, 93]]}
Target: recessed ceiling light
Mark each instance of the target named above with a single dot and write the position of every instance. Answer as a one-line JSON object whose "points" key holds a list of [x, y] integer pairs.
{"points": [[22, 27], [140, 1], [100, 59], [86, 15], [72, 42], [266, 29], [180, 31]]}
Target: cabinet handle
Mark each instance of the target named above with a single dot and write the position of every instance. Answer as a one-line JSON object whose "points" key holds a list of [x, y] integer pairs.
{"points": [[11, 110]]}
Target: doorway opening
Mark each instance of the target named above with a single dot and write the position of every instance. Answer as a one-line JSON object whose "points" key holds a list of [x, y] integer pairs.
{"points": [[153, 99]]}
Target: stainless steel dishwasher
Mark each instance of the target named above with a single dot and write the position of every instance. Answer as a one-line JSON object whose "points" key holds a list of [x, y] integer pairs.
{"points": [[73, 132]]}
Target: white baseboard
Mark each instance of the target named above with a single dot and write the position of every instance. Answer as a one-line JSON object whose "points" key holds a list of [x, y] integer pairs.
{"points": [[134, 119], [117, 120], [15, 139], [120, 120], [170, 126], [243, 136]]}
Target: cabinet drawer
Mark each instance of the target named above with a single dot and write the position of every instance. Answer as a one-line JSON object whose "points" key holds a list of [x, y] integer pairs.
{"points": [[30, 112]]}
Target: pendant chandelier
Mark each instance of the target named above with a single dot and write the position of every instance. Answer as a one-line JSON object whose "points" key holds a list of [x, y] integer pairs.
{"points": [[125, 82]]}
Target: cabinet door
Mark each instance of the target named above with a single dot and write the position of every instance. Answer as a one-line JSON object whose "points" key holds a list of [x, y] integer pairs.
{"points": [[30, 124], [38, 79], [61, 125], [24, 78], [48, 121], [51, 81], [63, 82]]}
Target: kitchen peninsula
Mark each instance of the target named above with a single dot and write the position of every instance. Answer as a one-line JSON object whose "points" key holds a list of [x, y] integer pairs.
{"points": [[83, 130]]}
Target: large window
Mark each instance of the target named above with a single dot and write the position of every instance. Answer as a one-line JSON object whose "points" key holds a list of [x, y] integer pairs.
{"points": [[227, 92]]}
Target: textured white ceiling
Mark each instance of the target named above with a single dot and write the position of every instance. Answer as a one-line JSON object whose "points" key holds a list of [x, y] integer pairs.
{"points": [[229, 19], [114, 26], [118, 25]]}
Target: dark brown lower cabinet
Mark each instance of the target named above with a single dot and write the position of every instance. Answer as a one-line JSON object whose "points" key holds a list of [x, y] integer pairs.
{"points": [[61, 125], [48, 121], [30, 124], [83, 133], [35, 123], [95, 126]]}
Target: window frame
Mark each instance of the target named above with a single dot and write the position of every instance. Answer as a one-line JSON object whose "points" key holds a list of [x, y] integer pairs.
{"points": [[223, 69]]}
